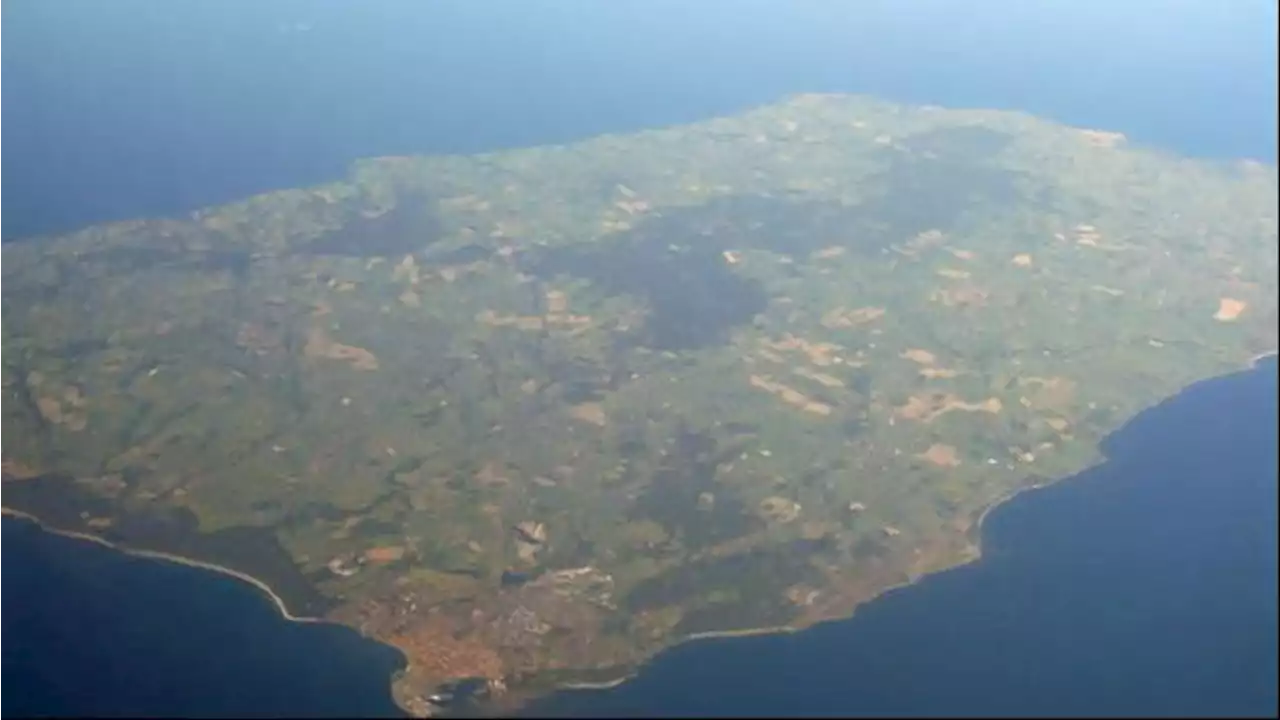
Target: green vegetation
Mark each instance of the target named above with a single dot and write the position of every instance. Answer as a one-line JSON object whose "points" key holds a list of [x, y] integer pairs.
{"points": [[539, 414]]}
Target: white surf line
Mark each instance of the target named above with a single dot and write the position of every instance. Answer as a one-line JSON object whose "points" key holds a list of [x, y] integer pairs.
{"points": [[169, 557]]}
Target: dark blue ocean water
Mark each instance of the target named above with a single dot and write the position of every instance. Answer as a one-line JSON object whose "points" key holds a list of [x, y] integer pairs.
{"points": [[1146, 585], [90, 631]]}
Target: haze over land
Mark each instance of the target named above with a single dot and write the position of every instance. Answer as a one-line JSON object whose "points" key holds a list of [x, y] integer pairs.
{"points": [[132, 109]]}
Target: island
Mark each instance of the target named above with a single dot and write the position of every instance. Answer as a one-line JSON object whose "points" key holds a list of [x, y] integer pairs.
{"points": [[533, 416]]}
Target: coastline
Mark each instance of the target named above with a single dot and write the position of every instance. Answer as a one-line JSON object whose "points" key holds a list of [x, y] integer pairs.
{"points": [[707, 635], [975, 554], [975, 533], [285, 613], [171, 558], [963, 560], [976, 514], [603, 685]]}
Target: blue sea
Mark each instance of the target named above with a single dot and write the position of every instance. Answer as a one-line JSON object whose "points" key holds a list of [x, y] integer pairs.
{"points": [[1144, 586], [89, 631]]}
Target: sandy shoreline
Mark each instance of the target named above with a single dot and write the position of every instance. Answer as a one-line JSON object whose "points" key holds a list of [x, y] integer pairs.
{"points": [[976, 556], [601, 685], [168, 557], [287, 615]]}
